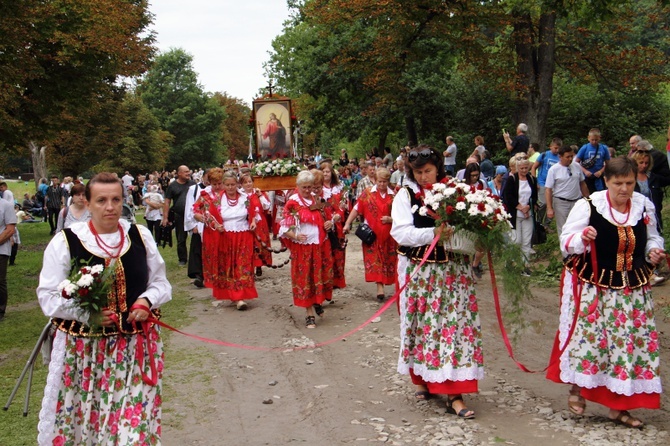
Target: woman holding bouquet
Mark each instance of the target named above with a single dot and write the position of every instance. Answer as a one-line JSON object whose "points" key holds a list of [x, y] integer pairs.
{"points": [[103, 364], [441, 341], [379, 258], [260, 202], [303, 229], [334, 194], [612, 357], [228, 243]]}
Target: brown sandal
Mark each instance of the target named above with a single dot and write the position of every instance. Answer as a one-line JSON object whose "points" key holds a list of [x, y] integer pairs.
{"points": [[576, 403], [626, 419]]}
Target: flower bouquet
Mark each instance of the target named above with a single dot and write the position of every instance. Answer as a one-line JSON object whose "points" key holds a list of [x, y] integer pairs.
{"points": [[277, 167], [480, 222], [87, 289], [477, 216]]}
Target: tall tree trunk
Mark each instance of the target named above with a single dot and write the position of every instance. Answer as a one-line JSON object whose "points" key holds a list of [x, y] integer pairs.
{"points": [[535, 48], [38, 155], [410, 125], [382, 142]]}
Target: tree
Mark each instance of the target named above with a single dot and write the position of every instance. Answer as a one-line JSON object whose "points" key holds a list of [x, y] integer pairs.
{"points": [[60, 58], [235, 138], [397, 58], [193, 117]]}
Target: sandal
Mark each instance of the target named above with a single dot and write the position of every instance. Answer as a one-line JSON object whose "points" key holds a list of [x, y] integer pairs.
{"points": [[318, 309], [422, 395], [626, 419], [310, 322], [464, 413], [576, 403]]}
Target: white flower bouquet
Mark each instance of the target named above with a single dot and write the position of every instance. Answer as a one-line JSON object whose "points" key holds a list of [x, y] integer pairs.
{"points": [[277, 167], [87, 288], [472, 209]]}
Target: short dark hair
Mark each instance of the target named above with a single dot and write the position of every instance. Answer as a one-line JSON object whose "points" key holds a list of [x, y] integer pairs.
{"points": [[102, 178], [434, 158], [562, 150], [77, 189], [621, 166]]}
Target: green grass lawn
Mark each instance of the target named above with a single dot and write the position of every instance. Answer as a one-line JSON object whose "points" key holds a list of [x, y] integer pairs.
{"points": [[24, 322]]}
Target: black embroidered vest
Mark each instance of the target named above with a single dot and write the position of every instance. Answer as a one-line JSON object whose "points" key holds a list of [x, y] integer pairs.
{"points": [[439, 254], [131, 281], [620, 252]]}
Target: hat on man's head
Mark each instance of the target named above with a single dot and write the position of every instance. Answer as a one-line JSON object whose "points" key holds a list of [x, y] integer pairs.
{"points": [[501, 170]]}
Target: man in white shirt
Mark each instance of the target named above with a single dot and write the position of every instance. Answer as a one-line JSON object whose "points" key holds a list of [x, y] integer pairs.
{"points": [[5, 193], [563, 187], [7, 228], [398, 176], [450, 156], [195, 228]]}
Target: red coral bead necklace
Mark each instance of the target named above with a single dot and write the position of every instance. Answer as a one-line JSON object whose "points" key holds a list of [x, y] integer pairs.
{"points": [[104, 246]]}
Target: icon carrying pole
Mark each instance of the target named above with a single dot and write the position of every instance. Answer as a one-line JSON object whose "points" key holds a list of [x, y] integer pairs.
{"points": [[30, 366]]}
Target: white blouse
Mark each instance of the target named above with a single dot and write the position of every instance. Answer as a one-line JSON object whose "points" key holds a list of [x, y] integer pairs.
{"points": [[56, 268], [403, 230], [578, 220], [235, 217], [308, 229]]}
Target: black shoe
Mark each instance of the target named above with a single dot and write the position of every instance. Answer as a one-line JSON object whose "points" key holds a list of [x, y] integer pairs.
{"points": [[198, 282], [318, 309], [478, 270], [259, 271], [181, 263], [525, 272], [381, 297]]}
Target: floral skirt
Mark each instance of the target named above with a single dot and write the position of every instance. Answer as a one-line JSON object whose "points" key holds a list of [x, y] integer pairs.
{"points": [[380, 260], [95, 394], [614, 351], [311, 273], [440, 333]]}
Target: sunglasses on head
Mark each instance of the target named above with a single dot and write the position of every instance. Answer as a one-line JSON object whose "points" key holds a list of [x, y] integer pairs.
{"points": [[414, 155]]}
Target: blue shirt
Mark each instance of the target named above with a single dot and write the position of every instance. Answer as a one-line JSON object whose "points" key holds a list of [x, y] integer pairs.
{"points": [[546, 160], [602, 154]]}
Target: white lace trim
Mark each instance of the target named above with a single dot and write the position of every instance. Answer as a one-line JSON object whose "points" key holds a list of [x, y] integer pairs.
{"points": [[447, 373], [599, 200], [236, 225], [628, 387], [47, 417]]}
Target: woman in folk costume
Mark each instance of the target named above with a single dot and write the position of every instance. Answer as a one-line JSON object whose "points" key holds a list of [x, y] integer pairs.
{"points": [[105, 375], [333, 193], [260, 202], [228, 241], [440, 332], [612, 357], [303, 230], [380, 258]]}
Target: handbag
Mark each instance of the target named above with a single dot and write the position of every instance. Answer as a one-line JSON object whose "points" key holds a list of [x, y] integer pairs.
{"points": [[539, 233], [366, 234]]}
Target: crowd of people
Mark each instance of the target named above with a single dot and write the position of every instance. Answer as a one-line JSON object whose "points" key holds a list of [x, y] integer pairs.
{"points": [[607, 214]]}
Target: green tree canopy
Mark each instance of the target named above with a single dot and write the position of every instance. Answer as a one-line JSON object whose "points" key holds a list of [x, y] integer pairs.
{"points": [[193, 117]]}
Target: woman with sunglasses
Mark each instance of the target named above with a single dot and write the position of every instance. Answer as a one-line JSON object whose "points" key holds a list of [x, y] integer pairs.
{"points": [[441, 341]]}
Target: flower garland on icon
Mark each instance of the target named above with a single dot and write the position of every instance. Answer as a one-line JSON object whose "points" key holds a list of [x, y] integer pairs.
{"points": [[277, 167]]}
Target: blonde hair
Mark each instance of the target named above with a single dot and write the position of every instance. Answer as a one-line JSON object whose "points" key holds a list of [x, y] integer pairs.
{"points": [[383, 172]]}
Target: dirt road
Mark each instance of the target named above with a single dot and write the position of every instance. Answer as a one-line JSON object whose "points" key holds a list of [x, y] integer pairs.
{"points": [[349, 392]]}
